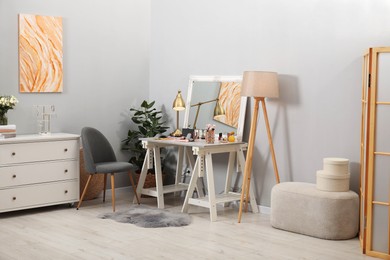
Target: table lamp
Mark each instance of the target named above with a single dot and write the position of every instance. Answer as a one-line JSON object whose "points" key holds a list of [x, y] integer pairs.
{"points": [[178, 105], [259, 85]]}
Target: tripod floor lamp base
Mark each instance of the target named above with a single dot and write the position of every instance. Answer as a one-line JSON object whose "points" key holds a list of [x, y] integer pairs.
{"points": [[249, 158]]}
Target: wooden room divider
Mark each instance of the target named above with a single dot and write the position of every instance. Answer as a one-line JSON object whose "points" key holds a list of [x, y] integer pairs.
{"points": [[375, 154]]}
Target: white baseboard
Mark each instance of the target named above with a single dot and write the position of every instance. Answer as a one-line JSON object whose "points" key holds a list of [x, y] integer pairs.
{"points": [[126, 189], [122, 189], [264, 209]]}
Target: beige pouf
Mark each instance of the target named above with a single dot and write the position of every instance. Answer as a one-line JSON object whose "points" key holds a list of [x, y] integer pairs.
{"points": [[302, 208]]}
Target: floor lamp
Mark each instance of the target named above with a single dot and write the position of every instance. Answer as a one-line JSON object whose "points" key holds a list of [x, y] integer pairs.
{"points": [[259, 85], [178, 105]]}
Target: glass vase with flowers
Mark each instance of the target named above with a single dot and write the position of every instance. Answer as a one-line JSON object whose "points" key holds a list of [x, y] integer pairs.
{"points": [[6, 103]]}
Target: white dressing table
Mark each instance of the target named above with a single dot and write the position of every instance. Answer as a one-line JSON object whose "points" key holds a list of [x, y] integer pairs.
{"points": [[201, 167]]}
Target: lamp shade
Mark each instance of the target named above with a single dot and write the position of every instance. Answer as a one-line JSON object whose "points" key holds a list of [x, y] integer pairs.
{"points": [[260, 84], [178, 103], [218, 110]]}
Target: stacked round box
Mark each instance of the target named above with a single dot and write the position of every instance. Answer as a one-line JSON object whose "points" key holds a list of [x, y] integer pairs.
{"points": [[335, 175]]}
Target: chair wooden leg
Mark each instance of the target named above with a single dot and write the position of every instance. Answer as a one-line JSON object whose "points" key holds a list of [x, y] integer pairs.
{"points": [[84, 191], [133, 185], [113, 191], [104, 187]]}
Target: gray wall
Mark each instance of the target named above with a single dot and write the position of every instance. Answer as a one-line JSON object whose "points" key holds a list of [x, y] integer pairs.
{"points": [[315, 46], [106, 65]]}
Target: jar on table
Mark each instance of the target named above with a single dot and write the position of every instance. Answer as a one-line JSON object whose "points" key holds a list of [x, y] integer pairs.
{"points": [[210, 136]]}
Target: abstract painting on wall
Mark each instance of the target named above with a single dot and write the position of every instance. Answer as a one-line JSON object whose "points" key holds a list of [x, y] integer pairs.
{"points": [[40, 54], [230, 99]]}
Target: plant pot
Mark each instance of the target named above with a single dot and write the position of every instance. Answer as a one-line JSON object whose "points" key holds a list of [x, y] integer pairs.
{"points": [[150, 180]]}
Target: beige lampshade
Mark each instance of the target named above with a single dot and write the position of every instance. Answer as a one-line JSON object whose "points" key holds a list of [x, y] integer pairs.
{"points": [[178, 103], [260, 84]]}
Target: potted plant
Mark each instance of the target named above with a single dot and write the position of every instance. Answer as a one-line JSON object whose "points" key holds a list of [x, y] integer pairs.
{"points": [[149, 124]]}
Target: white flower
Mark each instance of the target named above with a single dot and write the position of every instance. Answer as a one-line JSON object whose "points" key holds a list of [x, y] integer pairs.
{"points": [[7, 103], [210, 127]]}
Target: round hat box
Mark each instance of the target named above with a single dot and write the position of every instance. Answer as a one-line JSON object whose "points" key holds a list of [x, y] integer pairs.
{"points": [[331, 182], [336, 166]]}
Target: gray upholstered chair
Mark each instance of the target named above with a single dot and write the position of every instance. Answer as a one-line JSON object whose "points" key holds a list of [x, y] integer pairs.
{"points": [[99, 157]]}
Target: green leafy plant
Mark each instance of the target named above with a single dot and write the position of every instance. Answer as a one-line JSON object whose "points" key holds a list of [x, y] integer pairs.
{"points": [[149, 124]]}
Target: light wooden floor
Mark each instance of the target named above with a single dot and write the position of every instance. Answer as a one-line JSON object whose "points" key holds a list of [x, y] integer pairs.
{"points": [[60, 232]]}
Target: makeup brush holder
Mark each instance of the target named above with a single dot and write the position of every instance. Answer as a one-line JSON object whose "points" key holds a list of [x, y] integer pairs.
{"points": [[210, 136]]}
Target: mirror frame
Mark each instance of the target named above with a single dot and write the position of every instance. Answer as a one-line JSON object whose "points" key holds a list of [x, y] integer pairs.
{"points": [[193, 79]]}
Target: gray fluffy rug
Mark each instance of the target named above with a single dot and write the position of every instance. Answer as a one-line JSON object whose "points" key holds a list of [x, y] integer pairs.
{"points": [[148, 217]]}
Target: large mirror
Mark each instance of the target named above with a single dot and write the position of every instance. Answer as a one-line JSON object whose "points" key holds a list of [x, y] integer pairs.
{"points": [[215, 100]]}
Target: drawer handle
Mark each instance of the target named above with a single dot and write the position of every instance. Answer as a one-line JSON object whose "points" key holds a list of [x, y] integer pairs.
{"points": [[66, 149], [13, 198], [66, 191], [13, 153], [14, 176], [66, 170]]}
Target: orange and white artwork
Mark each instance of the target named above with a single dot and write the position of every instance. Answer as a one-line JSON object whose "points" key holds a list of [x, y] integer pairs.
{"points": [[40, 53], [230, 99]]}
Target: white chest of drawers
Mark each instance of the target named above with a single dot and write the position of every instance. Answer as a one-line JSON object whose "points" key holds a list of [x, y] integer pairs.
{"points": [[38, 170]]}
